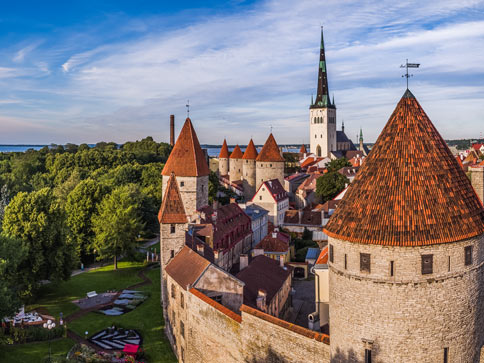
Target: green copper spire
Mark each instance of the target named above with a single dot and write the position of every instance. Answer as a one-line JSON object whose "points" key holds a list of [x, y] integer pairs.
{"points": [[322, 96], [361, 134]]}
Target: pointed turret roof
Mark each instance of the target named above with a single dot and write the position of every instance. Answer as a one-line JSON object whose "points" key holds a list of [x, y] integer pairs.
{"points": [[410, 190], [237, 153], [270, 151], [186, 158], [322, 96], [172, 210], [224, 152], [251, 152], [303, 150]]}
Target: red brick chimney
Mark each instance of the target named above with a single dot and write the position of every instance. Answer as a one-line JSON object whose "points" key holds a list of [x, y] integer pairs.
{"points": [[172, 130]]}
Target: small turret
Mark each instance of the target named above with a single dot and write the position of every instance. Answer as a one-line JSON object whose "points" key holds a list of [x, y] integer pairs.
{"points": [[236, 164], [249, 170], [223, 160]]}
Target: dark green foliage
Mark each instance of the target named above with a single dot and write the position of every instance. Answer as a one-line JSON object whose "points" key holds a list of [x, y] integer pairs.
{"points": [[335, 165], [36, 334], [329, 185]]}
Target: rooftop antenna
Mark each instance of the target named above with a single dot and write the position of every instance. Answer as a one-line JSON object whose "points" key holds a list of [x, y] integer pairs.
{"points": [[188, 108], [407, 66]]}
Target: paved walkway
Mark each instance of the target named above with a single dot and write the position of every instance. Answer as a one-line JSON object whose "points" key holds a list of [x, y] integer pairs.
{"points": [[80, 313]]}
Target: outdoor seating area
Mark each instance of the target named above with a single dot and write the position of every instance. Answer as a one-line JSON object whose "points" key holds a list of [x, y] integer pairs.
{"points": [[127, 301], [32, 318]]}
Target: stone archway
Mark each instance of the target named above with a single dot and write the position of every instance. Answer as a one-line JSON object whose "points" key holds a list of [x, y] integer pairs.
{"points": [[318, 150]]}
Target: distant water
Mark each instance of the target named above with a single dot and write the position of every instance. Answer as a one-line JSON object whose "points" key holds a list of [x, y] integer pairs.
{"points": [[215, 151], [19, 148]]}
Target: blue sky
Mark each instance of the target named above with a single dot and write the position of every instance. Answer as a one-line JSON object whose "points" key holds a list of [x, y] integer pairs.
{"points": [[86, 71]]}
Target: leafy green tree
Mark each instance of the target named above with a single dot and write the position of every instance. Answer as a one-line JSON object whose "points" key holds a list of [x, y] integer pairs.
{"points": [[329, 185], [14, 275], [213, 187], [117, 223], [38, 220], [80, 206], [3, 203], [335, 165]]}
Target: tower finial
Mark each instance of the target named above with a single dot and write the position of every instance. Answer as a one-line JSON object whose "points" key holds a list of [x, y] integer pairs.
{"points": [[188, 108], [407, 66], [343, 126]]}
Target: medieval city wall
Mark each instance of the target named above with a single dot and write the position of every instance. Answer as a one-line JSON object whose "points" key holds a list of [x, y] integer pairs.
{"points": [[223, 166], [408, 316], [193, 191], [477, 179], [267, 170], [235, 167], [249, 178]]}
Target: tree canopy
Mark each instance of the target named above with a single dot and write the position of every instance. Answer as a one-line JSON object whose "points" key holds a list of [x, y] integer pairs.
{"points": [[329, 185]]}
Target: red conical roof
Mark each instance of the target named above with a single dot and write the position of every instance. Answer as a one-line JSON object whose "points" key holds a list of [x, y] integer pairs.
{"points": [[270, 151], [303, 150], [237, 153], [410, 190], [186, 158], [224, 152], [251, 152], [172, 210]]}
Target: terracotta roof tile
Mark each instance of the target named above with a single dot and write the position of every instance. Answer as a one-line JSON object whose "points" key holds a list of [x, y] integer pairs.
{"points": [[303, 150], [251, 152], [323, 257], [186, 158], [273, 244], [172, 210], [237, 153], [186, 267], [224, 152], [270, 151], [410, 190]]}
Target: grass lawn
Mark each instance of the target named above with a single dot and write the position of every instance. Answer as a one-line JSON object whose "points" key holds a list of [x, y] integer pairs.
{"points": [[147, 318], [34, 352], [56, 298]]}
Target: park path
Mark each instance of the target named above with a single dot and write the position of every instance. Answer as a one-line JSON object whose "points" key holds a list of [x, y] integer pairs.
{"points": [[80, 313]]}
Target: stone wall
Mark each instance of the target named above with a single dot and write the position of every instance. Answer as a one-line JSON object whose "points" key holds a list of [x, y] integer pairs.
{"points": [[267, 170], [477, 180], [193, 192], [235, 168], [408, 316], [322, 134], [248, 177], [223, 166]]}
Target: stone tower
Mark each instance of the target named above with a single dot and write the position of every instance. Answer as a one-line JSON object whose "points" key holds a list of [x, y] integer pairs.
{"points": [[477, 179], [248, 170], [173, 224], [322, 113], [406, 252], [188, 163], [236, 164], [269, 163], [223, 160], [362, 147]]}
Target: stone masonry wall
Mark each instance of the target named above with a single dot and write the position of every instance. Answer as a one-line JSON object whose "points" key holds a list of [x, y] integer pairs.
{"points": [[193, 191], [410, 317], [477, 180], [235, 168], [248, 177], [223, 166], [267, 170]]}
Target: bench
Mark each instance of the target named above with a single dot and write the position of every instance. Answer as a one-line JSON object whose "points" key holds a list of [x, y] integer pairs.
{"points": [[91, 294]]}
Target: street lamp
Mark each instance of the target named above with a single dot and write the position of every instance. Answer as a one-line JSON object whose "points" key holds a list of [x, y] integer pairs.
{"points": [[49, 325]]}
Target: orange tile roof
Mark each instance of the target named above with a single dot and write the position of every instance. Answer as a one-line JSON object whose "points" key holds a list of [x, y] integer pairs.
{"points": [[323, 257], [410, 191], [251, 152], [237, 153], [172, 210], [303, 150], [186, 158], [224, 152], [270, 151], [186, 267]]}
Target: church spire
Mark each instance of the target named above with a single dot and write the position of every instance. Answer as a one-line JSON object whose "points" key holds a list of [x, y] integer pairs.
{"points": [[322, 97]]}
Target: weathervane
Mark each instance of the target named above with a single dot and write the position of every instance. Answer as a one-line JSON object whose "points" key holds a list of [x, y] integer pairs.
{"points": [[271, 129], [188, 108], [407, 66]]}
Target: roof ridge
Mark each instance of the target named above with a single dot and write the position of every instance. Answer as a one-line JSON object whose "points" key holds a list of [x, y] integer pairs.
{"points": [[172, 209]]}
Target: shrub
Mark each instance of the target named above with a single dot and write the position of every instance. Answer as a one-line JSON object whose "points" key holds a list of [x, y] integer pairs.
{"points": [[35, 334]]}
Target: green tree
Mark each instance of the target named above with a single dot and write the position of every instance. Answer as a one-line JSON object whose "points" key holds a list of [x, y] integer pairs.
{"points": [[213, 187], [3, 203], [329, 185], [38, 220], [14, 275], [335, 165], [117, 223], [80, 206]]}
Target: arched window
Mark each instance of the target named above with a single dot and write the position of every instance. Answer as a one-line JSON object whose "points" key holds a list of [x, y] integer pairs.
{"points": [[318, 151]]}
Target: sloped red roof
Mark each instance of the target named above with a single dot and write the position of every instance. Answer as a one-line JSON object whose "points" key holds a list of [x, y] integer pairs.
{"points": [[273, 244], [276, 189], [303, 150], [270, 151], [251, 152], [237, 153], [410, 190], [186, 158], [224, 152], [186, 267], [172, 210], [323, 257]]}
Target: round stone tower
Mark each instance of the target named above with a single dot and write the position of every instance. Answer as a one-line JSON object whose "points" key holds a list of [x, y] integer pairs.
{"points": [[406, 252], [223, 160], [248, 170], [269, 163], [236, 164]]}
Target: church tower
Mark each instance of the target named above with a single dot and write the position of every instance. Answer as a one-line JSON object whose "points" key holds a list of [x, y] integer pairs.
{"points": [[322, 113], [188, 163]]}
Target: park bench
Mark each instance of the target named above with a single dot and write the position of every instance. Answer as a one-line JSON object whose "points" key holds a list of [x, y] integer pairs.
{"points": [[91, 294]]}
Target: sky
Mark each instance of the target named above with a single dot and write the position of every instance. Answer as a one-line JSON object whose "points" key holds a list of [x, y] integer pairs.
{"points": [[90, 71]]}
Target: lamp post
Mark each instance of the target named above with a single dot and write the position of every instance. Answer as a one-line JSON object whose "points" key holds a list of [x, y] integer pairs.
{"points": [[49, 325]]}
